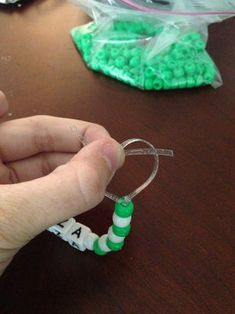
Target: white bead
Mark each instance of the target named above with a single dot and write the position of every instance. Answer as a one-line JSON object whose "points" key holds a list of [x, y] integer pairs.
{"points": [[89, 240], [52, 230], [102, 243], [76, 236], [113, 237], [121, 222], [62, 228]]}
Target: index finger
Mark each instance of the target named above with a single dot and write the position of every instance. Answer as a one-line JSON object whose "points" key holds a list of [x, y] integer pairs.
{"points": [[25, 137]]}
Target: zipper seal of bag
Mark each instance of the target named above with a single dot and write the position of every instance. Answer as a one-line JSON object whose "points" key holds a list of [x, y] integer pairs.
{"points": [[177, 13]]}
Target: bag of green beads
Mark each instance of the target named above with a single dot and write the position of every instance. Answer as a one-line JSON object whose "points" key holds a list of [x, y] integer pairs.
{"points": [[151, 45]]}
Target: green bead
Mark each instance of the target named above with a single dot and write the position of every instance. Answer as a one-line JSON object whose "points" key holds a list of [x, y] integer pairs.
{"points": [[124, 208], [199, 68], [121, 232], [190, 68], [126, 53], [106, 71], [101, 55], [175, 83], [135, 61], [181, 63], [209, 77], [199, 45], [86, 57], [119, 62], [95, 66], [138, 81], [157, 84], [87, 36], [187, 51], [150, 30], [135, 27], [209, 67], [167, 85], [149, 72], [77, 37], [199, 80], [178, 72], [191, 82], [115, 73], [167, 58], [134, 72], [158, 59], [110, 63], [126, 25], [117, 25], [114, 246], [85, 44], [171, 65], [132, 82], [97, 249], [193, 37], [148, 84], [163, 67], [111, 73], [182, 50], [178, 55], [114, 52], [139, 28], [102, 64], [126, 68], [166, 75], [135, 52], [182, 82]]}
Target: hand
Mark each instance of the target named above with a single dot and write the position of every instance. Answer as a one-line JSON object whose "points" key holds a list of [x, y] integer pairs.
{"points": [[45, 176]]}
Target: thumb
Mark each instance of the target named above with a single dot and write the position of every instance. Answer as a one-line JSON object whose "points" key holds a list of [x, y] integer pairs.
{"points": [[71, 189]]}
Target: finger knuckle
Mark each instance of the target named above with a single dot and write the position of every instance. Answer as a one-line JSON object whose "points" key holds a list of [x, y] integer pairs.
{"points": [[42, 138], [46, 166]]}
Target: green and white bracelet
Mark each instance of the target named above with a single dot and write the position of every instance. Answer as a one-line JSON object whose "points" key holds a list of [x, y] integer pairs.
{"points": [[81, 237]]}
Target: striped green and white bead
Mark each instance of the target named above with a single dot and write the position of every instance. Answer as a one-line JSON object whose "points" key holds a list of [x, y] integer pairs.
{"points": [[114, 240]]}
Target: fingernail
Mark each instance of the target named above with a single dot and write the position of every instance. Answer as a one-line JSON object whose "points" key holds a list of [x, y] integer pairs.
{"points": [[114, 155]]}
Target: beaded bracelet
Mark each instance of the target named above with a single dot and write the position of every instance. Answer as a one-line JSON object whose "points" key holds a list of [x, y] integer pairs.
{"points": [[81, 237]]}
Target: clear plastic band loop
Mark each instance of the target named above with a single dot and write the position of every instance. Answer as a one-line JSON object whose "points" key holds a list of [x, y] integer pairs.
{"points": [[141, 151]]}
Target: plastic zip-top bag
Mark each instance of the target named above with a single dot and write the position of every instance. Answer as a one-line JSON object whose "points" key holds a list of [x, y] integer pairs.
{"points": [[151, 44]]}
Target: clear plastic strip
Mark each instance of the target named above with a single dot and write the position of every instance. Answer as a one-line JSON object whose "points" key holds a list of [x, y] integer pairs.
{"points": [[149, 151], [142, 151]]}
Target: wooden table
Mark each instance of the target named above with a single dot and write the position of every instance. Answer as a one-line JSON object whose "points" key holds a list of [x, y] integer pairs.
{"points": [[180, 255]]}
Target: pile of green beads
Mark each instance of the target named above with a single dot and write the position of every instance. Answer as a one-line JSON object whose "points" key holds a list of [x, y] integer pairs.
{"points": [[114, 240], [122, 50]]}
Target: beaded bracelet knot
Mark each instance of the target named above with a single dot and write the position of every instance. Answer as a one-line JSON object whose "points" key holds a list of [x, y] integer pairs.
{"points": [[81, 237]]}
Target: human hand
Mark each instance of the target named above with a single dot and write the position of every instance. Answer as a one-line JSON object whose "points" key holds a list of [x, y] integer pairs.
{"points": [[45, 176]]}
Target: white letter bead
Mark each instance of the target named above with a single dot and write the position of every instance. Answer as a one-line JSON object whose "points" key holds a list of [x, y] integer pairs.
{"points": [[62, 228], [121, 222], [113, 237], [76, 235], [89, 240], [52, 230], [102, 243]]}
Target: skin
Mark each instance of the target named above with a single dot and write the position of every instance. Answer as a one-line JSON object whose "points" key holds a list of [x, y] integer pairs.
{"points": [[47, 176]]}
